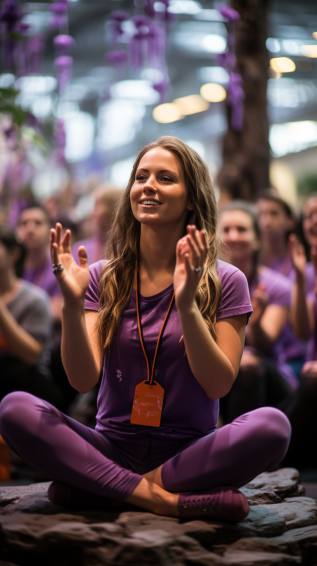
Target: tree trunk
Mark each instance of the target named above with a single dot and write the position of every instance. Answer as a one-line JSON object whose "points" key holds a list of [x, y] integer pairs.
{"points": [[245, 168]]}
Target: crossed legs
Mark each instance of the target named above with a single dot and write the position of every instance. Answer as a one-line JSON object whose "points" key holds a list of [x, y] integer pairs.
{"points": [[71, 453]]}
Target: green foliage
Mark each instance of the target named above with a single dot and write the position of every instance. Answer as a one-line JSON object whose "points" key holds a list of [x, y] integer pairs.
{"points": [[307, 184], [9, 106]]}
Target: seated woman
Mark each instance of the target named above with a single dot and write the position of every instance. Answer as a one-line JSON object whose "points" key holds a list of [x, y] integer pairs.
{"points": [[164, 323], [25, 325], [278, 226], [263, 377]]}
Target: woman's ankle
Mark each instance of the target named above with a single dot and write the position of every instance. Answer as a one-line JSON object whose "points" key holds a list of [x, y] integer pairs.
{"points": [[153, 498]]}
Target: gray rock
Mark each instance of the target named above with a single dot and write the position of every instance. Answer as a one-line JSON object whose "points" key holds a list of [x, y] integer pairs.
{"points": [[283, 533], [273, 487]]}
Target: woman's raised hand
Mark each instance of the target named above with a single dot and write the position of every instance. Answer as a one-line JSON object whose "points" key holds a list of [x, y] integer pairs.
{"points": [[191, 254], [73, 279], [297, 253]]}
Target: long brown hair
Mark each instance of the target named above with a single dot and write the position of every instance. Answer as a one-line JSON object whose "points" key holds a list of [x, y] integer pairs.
{"points": [[117, 275]]}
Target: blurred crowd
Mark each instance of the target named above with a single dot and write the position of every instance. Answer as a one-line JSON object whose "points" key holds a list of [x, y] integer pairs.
{"points": [[272, 245]]}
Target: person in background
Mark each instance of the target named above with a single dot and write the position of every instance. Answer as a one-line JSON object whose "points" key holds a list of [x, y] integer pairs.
{"points": [[33, 228], [279, 243], [107, 197], [263, 378], [25, 326]]}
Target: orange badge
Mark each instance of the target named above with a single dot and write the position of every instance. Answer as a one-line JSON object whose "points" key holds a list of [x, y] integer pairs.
{"points": [[147, 404]]}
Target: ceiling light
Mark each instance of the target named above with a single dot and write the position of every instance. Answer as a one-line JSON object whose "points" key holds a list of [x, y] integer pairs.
{"points": [[315, 35], [283, 65], [214, 43], [310, 51], [166, 113], [184, 7], [213, 92], [213, 74], [191, 104], [273, 45]]}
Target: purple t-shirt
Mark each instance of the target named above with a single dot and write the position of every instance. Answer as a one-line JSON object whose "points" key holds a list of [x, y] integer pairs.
{"points": [[187, 410], [293, 346], [43, 277], [278, 289], [93, 248]]}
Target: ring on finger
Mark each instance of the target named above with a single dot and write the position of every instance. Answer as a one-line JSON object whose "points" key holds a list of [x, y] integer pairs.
{"points": [[197, 269]]}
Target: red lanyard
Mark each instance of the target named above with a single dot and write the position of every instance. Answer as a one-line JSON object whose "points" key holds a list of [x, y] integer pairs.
{"points": [[150, 378]]}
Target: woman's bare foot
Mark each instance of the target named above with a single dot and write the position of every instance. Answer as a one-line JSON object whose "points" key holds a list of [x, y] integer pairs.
{"points": [[154, 498]]}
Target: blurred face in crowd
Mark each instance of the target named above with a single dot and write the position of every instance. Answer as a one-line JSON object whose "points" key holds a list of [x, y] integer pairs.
{"points": [[34, 229], [310, 221], [273, 220], [159, 178], [102, 213], [238, 235]]}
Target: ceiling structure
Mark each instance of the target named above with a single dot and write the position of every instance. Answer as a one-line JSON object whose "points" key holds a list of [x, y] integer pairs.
{"points": [[108, 121]]}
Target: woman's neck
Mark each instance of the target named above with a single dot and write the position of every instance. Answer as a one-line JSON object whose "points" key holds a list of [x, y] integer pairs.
{"points": [[158, 248], [273, 250], [35, 258]]}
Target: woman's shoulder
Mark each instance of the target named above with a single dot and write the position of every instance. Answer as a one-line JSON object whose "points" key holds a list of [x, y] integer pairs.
{"points": [[235, 291], [95, 269], [30, 293], [92, 293], [228, 273]]}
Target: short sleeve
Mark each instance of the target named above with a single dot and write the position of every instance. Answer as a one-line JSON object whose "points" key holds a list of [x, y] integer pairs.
{"points": [[92, 295], [235, 292]]}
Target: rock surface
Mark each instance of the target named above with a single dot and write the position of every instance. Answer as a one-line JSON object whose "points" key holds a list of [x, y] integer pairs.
{"points": [[281, 530]]}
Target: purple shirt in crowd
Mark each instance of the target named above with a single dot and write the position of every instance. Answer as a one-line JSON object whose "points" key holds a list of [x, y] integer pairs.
{"points": [[278, 290], [95, 251], [43, 277], [187, 410], [293, 346], [311, 353]]}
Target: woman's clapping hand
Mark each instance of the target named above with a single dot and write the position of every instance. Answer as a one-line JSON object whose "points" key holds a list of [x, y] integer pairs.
{"points": [[73, 279]]}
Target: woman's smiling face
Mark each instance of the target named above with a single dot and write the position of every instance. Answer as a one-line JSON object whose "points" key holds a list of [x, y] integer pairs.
{"points": [[238, 234], [159, 194]]}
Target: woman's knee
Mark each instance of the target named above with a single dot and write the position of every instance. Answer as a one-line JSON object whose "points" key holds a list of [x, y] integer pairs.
{"points": [[273, 426], [12, 410]]}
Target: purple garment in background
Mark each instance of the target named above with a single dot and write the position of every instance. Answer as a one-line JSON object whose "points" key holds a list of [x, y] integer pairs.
{"points": [[311, 353], [43, 277], [93, 248], [278, 289], [187, 411], [293, 346]]}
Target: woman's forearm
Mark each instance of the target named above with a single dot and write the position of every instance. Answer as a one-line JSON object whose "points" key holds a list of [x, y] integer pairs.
{"points": [[210, 366], [19, 342], [77, 353], [259, 338], [299, 315]]}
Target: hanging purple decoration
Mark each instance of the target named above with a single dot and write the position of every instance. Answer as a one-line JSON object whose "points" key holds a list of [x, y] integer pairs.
{"points": [[59, 14], [116, 20], [35, 48], [119, 60], [235, 94], [235, 97], [139, 46], [63, 43], [63, 65], [60, 139], [149, 8], [10, 16]]}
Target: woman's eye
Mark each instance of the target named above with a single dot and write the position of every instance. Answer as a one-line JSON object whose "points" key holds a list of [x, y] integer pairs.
{"points": [[140, 177], [167, 179]]}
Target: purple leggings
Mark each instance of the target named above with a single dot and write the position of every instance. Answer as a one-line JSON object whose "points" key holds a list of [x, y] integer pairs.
{"points": [[70, 452]]}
